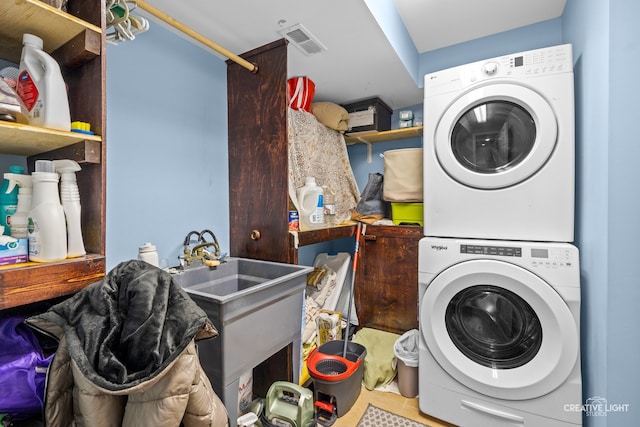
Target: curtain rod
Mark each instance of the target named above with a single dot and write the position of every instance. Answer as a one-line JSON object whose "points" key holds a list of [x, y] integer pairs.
{"points": [[188, 31]]}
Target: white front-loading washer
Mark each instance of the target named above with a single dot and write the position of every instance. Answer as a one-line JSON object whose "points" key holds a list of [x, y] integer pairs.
{"points": [[499, 332], [499, 148]]}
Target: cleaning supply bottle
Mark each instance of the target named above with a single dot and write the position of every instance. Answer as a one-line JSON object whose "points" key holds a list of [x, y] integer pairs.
{"points": [[41, 86], [70, 197], [311, 201], [149, 253], [20, 218], [9, 200], [47, 229]]}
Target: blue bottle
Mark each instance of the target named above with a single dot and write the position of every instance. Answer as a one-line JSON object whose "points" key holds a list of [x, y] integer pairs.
{"points": [[9, 201]]}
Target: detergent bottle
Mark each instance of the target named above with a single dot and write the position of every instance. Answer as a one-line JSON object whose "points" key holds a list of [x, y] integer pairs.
{"points": [[70, 197], [20, 219], [9, 200], [311, 201], [47, 230], [41, 86]]}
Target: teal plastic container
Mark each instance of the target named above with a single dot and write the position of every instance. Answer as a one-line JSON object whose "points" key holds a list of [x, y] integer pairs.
{"points": [[9, 201]]}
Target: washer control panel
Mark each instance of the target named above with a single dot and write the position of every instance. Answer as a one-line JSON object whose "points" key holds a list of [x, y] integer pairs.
{"points": [[538, 257], [491, 250], [551, 258]]}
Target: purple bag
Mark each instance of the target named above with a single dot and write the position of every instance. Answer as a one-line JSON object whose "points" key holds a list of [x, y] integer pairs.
{"points": [[23, 369]]}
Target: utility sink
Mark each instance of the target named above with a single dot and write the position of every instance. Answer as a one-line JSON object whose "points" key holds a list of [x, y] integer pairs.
{"points": [[257, 308], [241, 281]]}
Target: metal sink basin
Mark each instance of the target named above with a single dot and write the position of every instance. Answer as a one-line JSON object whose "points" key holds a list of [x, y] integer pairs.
{"points": [[256, 307]]}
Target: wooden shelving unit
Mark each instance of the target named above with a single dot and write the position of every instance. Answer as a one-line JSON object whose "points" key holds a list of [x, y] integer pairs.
{"points": [[387, 135], [76, 40]]}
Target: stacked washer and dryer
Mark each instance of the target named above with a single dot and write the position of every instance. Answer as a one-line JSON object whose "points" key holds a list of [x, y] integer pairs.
{"points": [[499, 284]]}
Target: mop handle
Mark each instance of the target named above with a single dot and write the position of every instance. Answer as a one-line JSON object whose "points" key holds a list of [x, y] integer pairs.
{"points": [[357, 249], [353, 278]]}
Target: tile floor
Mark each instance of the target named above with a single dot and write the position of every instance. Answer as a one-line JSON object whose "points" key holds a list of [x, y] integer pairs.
{"points": [[392, 402]]}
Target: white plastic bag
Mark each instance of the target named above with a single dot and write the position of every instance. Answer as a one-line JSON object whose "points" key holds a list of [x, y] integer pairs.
{"points": [[406, 347]]}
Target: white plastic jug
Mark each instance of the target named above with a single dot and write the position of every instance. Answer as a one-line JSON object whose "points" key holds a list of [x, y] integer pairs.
{"points": [[41, 86], [311, 201], [148, 253], [47, 226]]}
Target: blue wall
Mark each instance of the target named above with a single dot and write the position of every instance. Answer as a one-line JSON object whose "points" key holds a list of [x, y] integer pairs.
{"points": [[592, 166], [623, 275], [167, 168], [606, 43]]}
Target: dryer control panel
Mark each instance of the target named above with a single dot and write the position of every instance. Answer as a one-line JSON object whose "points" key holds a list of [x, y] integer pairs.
{"points": [[533, 63], [552, 60]]}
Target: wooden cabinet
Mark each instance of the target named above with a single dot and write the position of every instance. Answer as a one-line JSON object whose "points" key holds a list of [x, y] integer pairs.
{"points": [[258, 161], [386, 286], [76, 39], [258, 176]]}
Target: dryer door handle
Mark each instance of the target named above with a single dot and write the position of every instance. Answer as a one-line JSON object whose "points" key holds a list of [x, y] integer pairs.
{"points": [[493, 412]]}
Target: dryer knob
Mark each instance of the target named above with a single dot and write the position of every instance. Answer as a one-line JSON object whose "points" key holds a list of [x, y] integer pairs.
{"points": [[490, 68]]}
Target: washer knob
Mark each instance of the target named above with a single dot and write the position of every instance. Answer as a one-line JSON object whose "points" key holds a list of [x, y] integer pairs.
{"points": [[490, 68]]}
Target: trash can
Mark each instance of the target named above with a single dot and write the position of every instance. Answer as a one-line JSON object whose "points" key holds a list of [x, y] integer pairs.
{"points": [[406, 352]]}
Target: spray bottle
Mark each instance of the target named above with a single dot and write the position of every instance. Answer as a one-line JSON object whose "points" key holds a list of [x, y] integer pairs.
{"points": [[20, 219], [9, 200], [70, 197], [47, 230]]}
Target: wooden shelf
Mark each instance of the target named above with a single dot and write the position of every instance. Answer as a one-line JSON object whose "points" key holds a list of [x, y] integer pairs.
{"points": [[30, 282], [387, 135], [54, 26], [25, 140], [311, 237]]}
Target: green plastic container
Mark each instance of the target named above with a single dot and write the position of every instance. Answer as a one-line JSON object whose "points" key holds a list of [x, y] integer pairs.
{"points": [[407, 213]]}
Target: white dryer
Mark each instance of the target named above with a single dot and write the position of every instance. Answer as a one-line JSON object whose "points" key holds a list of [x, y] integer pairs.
{"points": [[499, 148], [499, 332]]}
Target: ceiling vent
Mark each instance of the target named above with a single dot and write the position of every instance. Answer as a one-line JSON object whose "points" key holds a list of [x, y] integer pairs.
{"points": [[301, 38]]}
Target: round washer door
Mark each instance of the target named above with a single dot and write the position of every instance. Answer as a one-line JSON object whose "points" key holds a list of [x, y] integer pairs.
{"points": [[495, 136], [499, 329]]}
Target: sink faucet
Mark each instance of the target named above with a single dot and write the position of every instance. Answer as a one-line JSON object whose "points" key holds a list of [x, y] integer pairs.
{"points": [[198, 254]]}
